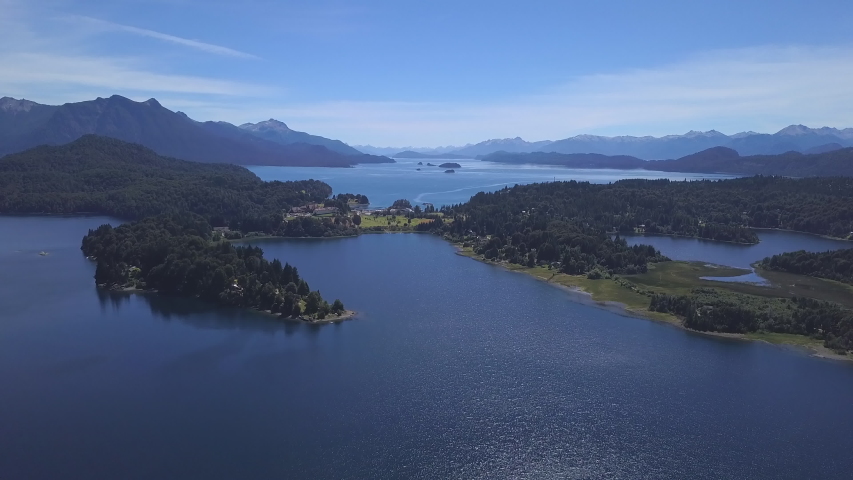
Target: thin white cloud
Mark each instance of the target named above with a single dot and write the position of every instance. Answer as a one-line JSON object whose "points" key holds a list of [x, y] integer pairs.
{"points": [[37, 72], [53, 65], [198, 45]]}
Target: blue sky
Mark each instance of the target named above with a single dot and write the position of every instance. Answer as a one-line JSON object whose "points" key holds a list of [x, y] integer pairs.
{"points": [[445, 72]]}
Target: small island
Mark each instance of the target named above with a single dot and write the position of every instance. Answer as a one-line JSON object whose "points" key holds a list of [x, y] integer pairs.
{"points": [[450, 165], [450, 171]]}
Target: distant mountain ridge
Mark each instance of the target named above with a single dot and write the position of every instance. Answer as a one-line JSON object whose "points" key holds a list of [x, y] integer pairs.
{"points": [[437, 156], [503, 144], [25, 124], [712, 160], [798, 138], [390, 151]]}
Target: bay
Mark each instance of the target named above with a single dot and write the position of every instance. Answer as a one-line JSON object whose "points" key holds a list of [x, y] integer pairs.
{"points": [[454, 369], [384, 183]]}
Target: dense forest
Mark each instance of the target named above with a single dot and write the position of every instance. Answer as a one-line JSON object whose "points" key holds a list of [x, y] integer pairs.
{"points": [[107, 176], [835, 265], [573, 222], [716, 311], [176, 254], [713, 160]]}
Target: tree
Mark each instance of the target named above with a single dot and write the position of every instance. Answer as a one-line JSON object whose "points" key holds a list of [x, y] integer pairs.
{"points": [[401, 204], [287, 306], [337, 307], [356, 219], [313, 303]]}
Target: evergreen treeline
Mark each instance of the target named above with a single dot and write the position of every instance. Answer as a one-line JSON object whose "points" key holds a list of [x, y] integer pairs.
{"points": [[715, 311], [835, 265], [572, 222], [716, 210], [175, 254], [107, 176]]}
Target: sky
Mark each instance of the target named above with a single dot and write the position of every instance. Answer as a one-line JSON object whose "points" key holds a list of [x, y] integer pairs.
{"points": [[417, 73]]}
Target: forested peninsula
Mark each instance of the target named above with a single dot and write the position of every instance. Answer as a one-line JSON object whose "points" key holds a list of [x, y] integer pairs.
{"points": [[179, 254], [725, 210], [569, 233]]}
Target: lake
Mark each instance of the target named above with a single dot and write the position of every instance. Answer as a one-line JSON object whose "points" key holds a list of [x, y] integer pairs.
{"points": [[772, 242], [384, 183], [454, 369]]}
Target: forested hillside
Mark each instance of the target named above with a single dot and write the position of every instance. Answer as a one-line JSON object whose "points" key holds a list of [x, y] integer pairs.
{"points": [[175, 254], [572, 223], [107, 176], [835, 265]]}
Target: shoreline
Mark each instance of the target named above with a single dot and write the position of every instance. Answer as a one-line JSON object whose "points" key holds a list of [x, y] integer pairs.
{"points": [[694, 237], [347, 315], [828, 237], [813, 348]]}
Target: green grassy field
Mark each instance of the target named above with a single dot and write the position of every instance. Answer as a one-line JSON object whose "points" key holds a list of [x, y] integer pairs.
{"points": [[368, 221]]}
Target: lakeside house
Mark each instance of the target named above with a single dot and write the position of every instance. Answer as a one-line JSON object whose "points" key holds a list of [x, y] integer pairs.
{"points": [[221, 229], [306, 209], [400, 211], [325, 211]]}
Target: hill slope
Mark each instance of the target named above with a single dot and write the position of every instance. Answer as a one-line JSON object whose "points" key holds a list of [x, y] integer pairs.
{"points": [[279, 132], [107, 176]]}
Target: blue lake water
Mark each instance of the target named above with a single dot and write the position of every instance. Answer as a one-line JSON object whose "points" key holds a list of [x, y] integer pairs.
{"points": [[772, 242], [384, 183], [454, 369]]}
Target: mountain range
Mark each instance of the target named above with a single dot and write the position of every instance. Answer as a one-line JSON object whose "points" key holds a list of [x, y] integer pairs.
{"points": [[425, 156], [712, 160], [25, 124], [797, 138]]}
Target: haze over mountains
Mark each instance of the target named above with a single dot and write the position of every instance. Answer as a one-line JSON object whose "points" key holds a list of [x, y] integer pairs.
{"points": [[796, 138], [25, 124]]}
